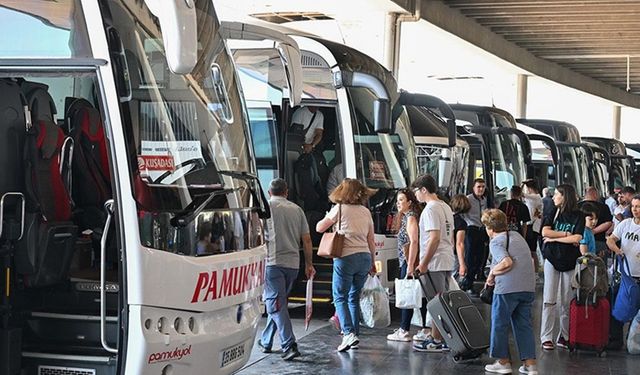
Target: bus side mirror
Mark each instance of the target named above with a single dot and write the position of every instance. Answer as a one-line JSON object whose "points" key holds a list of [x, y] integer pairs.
{"points": [[178, 23], [445, 167], [452, 133], [382, 116]]}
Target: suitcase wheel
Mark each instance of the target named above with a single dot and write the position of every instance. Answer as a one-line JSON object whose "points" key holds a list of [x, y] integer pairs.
{"points": [[457, 359]]}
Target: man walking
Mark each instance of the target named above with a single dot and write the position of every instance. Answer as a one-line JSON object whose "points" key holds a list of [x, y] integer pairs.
{"points": [[289, 228], [436, 251]]}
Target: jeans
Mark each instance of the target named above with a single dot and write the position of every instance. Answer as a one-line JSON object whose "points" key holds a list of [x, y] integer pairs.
{"points": [[532, 238], [556, 297], [407, 314], [512, 309], [278, 284], [349, 275]]}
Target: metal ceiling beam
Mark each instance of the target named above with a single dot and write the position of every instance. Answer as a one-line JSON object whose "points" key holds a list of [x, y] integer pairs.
{"points": [[535, 3], [441, 14]]}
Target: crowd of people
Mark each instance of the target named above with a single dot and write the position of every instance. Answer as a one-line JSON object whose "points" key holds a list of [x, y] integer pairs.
{"points": [[442, 239]]}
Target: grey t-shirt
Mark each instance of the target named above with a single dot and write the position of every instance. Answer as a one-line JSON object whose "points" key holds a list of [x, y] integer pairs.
{"points": [[285, 234], [520, 277], [472, 217]]}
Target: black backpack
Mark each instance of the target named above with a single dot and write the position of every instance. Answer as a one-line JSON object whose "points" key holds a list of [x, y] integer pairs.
{"points": [[308, 186]]}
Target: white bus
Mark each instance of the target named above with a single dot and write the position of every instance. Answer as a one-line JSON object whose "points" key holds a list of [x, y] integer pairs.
{"points": [[131, 231], [440, 152], [366, 135]]}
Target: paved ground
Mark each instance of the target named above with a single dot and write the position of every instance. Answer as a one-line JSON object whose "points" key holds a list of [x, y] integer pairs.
{"points": [[378, 356]]}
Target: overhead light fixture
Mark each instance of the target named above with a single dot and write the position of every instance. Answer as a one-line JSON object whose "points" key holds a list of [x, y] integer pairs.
{"points": [[284, 17]]}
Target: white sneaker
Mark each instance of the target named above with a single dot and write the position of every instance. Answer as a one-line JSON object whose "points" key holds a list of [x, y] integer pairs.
{"points": [[422, 335], [531, 369], [399, 335], [348, 341], [498, 368]]}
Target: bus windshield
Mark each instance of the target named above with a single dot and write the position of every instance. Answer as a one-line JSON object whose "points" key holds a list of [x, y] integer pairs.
{"points": [[626, 170], [187, 137], [262, 74], [507, 162], [434, 160], [182, 129], [574, 166], [382, 160]]}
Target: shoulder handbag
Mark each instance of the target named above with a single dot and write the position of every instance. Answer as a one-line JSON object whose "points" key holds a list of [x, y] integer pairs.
{"points": [[627, 300], [486, 294], [332, 243], [557, 254]]}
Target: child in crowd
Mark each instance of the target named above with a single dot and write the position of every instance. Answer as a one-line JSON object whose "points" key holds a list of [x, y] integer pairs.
{"points": [[588, 242]]}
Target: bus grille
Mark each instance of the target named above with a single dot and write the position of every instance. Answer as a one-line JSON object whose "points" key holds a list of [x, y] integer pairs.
{"points": [[55, 370]]}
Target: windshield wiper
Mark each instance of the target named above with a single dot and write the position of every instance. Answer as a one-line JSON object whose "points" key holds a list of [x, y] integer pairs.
{"points": [[189, 213], [254, 187]]}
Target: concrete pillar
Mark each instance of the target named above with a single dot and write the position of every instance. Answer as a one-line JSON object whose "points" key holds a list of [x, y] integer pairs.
{"points": [[521, 96], [616, 121], [389, 52]]}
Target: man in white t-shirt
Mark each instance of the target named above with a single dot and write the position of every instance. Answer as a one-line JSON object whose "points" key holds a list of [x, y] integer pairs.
{"points": [[612, 200], [312, 121], [628, 233], [436, 250]]}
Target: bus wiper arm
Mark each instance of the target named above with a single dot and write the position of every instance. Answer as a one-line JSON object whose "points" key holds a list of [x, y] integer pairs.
{"points": [[246, 176], [254, 187], [189, 213]]}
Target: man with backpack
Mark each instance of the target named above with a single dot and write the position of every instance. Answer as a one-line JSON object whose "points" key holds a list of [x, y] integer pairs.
{"points": [[517, 212]]}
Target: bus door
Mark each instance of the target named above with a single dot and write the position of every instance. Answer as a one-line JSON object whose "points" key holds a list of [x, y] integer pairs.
{"points": [[544, 160]]}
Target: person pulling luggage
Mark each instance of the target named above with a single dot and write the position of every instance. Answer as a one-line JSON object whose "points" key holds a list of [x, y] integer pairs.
{"points": [[436, 251]]}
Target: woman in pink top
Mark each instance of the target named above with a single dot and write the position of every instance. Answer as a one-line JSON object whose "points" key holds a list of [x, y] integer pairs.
{"points": [[350, 271]]}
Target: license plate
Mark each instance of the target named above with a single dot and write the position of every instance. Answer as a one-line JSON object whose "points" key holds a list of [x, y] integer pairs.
{"points": [[231, 355]]}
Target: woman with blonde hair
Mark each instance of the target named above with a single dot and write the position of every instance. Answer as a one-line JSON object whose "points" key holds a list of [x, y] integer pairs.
{"points": [[358, 254], [513, 281]]}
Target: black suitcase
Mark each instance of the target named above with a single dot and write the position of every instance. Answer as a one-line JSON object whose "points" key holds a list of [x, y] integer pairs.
{"points": [[459, 322]]}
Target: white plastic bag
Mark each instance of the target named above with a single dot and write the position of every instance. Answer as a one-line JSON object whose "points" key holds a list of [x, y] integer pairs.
{"points": [[308, 303], [408, 293], [374, 304], [633, 340]]}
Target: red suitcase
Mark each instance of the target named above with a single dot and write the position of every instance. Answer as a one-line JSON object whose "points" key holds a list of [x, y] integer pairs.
{"points": [[589, 325]]}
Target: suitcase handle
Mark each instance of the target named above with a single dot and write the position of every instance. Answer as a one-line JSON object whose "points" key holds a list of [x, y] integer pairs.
{"points": [[417, 275], [445, 327]]}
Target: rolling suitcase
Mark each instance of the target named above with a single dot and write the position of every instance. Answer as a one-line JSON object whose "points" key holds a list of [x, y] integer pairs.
{"points": [[459, 322], [589, 325], [589, 312]]}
